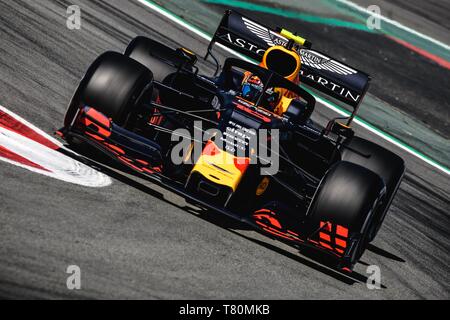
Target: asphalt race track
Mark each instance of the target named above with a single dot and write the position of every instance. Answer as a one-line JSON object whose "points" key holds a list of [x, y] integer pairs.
{"points": [[135, 240]]}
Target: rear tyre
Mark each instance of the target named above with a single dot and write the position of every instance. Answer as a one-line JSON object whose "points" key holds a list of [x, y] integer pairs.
{"points": [[113, 85], [389, 166], [347, 197]]}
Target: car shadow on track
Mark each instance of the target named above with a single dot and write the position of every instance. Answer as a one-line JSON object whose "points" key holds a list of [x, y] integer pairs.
{"points": [[309, 257], [384, 253]]}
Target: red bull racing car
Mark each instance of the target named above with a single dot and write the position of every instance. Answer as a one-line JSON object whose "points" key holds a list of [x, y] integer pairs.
{"points": [[241, 142]]}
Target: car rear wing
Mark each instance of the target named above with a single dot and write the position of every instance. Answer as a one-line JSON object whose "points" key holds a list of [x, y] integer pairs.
{"points": [[318, 70]]}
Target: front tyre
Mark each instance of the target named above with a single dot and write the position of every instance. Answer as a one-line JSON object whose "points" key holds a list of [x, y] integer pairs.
{"points": [[158, 58], [389, 166], [113, 85], [343, 208]]}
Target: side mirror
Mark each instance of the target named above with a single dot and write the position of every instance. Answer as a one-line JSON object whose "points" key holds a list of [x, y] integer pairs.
{"points": [[298, 111], [187, 55], [340, 129]]}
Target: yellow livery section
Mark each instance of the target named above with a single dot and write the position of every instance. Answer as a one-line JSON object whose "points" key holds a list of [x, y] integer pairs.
{"points": [[221, 167]]}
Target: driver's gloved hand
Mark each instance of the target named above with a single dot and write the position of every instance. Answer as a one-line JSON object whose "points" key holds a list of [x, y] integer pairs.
{"points": [[272, 98], [225, 98]]}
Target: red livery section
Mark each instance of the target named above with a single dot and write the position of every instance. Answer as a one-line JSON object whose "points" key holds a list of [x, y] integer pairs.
{"points": [[333, 237], [268, 221], [99, 127], [254, 113]]}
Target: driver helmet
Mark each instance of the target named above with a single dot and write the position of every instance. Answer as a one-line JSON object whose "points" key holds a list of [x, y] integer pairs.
{"points": [[252, 86], [287, 63]]}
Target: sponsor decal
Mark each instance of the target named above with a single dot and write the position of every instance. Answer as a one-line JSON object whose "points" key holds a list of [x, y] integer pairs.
{"points": [[310, 58], [331, 86], [239, 42], [268, 36], [239, 142], [318, 61], [315, 65]]}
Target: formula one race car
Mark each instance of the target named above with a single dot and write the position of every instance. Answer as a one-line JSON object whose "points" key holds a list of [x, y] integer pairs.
{"points": [[242, 142]]}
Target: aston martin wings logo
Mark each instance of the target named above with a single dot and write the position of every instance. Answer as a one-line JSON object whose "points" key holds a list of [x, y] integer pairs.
{"points": [[310, 58], [268, 36], [316, 60]]}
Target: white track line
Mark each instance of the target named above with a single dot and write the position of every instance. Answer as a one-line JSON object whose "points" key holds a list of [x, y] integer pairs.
{"points": [[60, 166], [172, 17], [395, 23], [31, 126]]}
